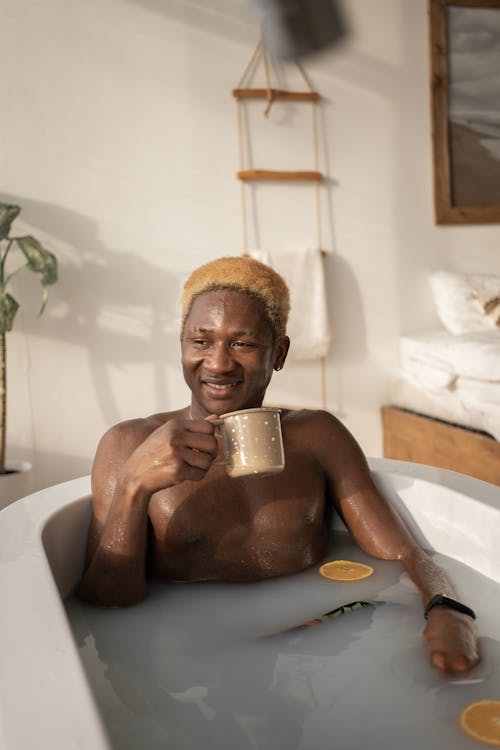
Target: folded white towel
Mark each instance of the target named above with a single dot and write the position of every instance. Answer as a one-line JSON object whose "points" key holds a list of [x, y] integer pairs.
{"points": [[308, 325], [470, 355]]}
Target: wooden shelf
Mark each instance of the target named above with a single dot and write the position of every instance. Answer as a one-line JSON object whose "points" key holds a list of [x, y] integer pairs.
{"points": [[248, 175], [296, 96]]}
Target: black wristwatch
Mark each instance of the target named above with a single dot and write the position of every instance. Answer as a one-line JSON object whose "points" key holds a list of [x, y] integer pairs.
{"points": [[445, 601]]}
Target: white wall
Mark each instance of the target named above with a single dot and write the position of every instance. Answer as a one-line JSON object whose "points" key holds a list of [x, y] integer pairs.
{"points": [[118, 138]]}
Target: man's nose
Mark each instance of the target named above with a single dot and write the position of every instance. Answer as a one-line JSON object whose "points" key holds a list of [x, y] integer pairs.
{"points": [[220, 359]]}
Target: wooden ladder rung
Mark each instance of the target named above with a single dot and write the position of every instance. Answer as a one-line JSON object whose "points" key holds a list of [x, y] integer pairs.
{"points": [[271, 174], [297, 96]]}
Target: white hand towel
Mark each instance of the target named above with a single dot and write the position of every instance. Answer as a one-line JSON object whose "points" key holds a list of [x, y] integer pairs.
{"points": [[308, 325]]}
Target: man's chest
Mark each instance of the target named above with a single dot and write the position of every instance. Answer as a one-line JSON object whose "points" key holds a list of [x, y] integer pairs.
{"points": [[239, 519]]}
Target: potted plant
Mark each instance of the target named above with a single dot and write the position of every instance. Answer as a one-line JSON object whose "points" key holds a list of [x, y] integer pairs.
{"points": [[31, 255]]}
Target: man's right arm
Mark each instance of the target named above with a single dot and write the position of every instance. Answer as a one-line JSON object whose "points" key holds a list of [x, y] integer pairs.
{"points": [[133, 461]]}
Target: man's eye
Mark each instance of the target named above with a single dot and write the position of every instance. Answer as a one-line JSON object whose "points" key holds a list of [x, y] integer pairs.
{"points": [[243, 345], [199, 342]]}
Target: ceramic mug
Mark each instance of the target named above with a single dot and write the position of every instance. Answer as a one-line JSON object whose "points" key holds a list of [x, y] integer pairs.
{"points": [[252, 441]]}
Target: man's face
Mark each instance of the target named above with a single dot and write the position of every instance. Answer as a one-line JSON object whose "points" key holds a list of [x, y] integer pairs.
{"points": [[228, 352]]}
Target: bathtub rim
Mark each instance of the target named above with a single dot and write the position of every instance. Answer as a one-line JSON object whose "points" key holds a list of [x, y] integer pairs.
{"points": [[61, 708], [78, 724]]}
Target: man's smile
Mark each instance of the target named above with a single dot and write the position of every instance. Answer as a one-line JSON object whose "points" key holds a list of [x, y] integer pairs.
{"points": [[221, 388]]}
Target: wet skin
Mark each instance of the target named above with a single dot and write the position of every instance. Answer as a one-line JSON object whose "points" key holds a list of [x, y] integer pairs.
{"points": [[159, 502]]}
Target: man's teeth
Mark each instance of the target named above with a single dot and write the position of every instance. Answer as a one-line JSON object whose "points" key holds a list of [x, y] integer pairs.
{"points": [[220, 386]]}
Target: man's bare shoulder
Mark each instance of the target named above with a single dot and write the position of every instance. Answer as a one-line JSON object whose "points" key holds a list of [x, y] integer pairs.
{"points": [[322, 434], [124, 437], [311, 419]]}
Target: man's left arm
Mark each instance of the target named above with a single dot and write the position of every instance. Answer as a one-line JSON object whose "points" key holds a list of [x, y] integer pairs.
{"points": [[451, 635]]}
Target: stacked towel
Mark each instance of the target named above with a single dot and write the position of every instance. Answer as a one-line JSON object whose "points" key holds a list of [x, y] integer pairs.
{"points": [[458, 373], [308, 326]]}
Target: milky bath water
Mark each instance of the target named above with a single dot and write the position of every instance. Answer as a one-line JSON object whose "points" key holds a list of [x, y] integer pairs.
{"points": [[214, 665]]}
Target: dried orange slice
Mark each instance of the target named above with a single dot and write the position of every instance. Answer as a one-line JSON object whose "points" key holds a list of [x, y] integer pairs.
{"points": [[345, 570], [481, 721]]}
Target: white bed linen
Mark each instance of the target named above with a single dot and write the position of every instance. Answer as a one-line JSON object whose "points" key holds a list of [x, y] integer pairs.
{"points": [[447, 407], [472, 355], [452, 377]]}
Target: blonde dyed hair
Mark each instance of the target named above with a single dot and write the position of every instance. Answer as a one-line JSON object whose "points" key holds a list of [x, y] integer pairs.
{"points": [[241, 274]]}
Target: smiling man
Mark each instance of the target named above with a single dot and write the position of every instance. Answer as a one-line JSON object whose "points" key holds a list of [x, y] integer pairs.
{"points": [[160, 505]]}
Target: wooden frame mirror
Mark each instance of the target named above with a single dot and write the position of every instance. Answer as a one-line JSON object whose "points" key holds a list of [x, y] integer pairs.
{"points": [[465, 105]]}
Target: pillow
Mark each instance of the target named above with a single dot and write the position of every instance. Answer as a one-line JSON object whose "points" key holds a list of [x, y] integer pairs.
{"points": [[466, 302]]}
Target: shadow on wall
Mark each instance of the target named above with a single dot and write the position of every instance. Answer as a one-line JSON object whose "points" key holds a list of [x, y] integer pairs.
{"points": [[238, 20], [293, 29], [346, 311], [348, 327], [345, 303], [114, 304]]}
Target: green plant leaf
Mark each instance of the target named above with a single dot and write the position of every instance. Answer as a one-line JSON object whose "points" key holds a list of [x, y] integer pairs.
{"points": [[8, 310], [40, 260], [7, 215]]}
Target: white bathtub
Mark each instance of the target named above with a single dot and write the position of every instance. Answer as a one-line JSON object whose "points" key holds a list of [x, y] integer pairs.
{"points": [[45, 700]]}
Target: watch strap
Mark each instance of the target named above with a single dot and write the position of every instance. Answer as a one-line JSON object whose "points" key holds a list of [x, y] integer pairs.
{"points": [[445, 601]]}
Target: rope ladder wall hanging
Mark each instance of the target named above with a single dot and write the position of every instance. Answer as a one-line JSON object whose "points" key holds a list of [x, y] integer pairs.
{"points": [[248, 175]]}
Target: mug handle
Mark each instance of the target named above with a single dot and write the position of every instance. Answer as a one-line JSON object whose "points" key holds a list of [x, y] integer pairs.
{"points": [[225, 461]]}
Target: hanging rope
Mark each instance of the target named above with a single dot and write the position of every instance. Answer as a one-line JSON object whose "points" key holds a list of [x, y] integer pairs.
{"points": [[248, 68], [269, 92], [270, 96], [241, 152]]}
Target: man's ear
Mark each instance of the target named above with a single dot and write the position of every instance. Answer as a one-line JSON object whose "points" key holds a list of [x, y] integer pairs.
{"points": [[281, 350]]}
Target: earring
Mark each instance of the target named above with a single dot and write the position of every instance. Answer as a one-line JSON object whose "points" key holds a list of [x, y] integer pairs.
{"points": [[278, 368]]}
